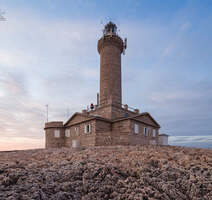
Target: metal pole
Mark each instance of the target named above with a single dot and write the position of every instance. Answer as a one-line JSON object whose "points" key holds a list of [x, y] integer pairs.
{"points": [[47, 112], [97, 99]]}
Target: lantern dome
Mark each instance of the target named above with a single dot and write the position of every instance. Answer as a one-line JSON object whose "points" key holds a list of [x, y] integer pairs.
{"points": [[110, 29]]}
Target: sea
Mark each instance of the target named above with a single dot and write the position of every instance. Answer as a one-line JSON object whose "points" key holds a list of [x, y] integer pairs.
{"points": [[203, 141]]}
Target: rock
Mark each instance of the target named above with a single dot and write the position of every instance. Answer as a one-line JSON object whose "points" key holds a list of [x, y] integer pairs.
{"points": [[115, 172]]}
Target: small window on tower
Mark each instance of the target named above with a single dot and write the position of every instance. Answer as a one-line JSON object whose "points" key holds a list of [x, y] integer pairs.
{"points": [[57, 133], [136, 129]]}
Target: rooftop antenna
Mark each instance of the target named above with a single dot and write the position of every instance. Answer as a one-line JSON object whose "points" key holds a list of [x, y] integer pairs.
{"points": [[47, 112]]}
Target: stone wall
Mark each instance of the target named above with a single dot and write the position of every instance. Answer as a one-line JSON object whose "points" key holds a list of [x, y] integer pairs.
{"points": [[103, 111], [103, 133], [110, 49], [140, 137], [146, 118], [77, 132], [112, 112], [77, 118], [50, 140], [123, 133], [120, 132], [120, 112]]}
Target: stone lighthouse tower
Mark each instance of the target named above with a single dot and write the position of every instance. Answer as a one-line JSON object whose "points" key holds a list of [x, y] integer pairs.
{"points": [[109, 122], [110, 48]]}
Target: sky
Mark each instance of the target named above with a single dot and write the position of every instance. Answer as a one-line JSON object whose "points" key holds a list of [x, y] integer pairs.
{"points": [[48, 55]]}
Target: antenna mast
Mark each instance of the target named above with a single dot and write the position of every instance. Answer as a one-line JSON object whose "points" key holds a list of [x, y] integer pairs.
{"points": [[47, 112]]}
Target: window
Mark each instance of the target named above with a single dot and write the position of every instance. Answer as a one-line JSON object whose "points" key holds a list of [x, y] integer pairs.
{"points": [[154, 133], [67, 132], [145, 131], [76, 130], [57, 133], [136, 129], [149, 131], [87, 128]]}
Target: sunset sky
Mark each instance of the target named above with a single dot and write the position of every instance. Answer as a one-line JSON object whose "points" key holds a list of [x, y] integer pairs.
{"points": [[48, 55]]}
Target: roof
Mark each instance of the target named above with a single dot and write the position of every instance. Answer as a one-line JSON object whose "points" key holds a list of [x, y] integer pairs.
{"points": [[134, 118], [146, 113], [89, 117]]}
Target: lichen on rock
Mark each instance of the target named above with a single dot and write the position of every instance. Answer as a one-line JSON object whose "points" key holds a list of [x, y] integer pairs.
{"points": [[113, 172]]}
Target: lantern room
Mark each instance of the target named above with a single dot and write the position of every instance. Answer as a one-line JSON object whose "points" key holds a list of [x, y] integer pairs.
{"points": [[110, 29]]}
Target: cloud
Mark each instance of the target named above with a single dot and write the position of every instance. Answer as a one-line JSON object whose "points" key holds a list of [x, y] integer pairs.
{"points": [[20, 114], [43, 62], [2, 18], [19, 143], [167, 73], [54, 61]]}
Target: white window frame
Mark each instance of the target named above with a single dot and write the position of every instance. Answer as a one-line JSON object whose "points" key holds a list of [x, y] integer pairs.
{"points": [[67, 133], [76, 129], [149, 132], [57, 133], [136, 128], [154, 132], [87, 128]]}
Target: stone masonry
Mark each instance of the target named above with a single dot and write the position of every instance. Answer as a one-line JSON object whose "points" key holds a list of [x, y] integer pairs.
{"points": [[109, 122]]}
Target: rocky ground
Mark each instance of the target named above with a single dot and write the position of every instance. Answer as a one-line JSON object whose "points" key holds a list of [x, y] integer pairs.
{"points": [[139, 172]]}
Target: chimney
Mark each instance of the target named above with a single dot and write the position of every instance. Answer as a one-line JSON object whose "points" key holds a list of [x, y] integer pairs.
{"points": [[125, 107], [136, 111], [84, 111]]}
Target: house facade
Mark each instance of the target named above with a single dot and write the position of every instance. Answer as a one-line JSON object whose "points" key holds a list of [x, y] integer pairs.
{"points": [[109, 122]]}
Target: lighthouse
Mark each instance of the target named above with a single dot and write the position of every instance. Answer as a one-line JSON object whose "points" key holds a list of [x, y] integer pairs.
{"points": [[110, 47], [109, 122]]}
